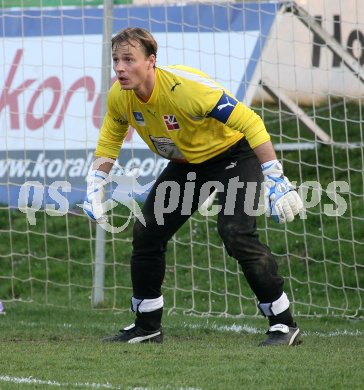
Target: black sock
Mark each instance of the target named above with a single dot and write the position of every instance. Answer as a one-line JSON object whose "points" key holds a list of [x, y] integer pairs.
{"points": [[284, 318], [149, 321]]}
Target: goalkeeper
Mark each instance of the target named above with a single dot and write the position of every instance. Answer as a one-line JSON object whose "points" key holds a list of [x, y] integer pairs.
{"points": [[208, 136]]}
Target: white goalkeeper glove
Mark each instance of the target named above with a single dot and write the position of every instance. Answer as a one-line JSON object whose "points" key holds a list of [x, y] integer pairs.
{"points": [[281, 199], [93, 205]]}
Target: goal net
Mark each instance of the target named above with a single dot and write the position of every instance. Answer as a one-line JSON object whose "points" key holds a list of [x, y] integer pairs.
{"points": [[301, 72]]}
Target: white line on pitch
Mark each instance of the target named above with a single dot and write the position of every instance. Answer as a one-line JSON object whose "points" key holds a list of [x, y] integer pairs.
{"points": [[253, 330], [32, 380]]}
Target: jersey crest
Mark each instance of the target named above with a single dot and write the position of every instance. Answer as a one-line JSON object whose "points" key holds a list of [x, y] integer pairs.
{"points": [[171, 122]]}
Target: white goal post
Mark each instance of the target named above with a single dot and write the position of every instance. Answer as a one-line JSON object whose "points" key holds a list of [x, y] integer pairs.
{"points": [[297, 64]]}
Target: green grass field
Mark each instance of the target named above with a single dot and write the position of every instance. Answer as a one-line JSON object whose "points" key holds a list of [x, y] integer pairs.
{"points": [[53, 340], [47, 347]]}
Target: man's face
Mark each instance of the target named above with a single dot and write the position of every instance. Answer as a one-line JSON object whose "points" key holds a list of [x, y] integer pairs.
{"points": [[131, 65]]}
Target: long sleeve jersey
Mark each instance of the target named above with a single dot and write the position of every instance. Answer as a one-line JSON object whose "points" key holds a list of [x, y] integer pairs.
{"points": [[188, 118]]}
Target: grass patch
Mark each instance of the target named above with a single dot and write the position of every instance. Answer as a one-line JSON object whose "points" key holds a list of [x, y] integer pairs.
{"points": [[63, 345]]}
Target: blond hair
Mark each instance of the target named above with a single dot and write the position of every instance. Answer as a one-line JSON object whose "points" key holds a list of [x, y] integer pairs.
{"points": [[131, 35]]}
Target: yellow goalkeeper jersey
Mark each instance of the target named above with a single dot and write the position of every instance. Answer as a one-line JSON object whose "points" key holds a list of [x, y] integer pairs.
{"points": [[188, 118]]}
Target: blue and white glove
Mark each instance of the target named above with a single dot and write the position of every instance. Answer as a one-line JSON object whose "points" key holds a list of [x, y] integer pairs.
{"points": [[93, 205], [281, 199]]}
